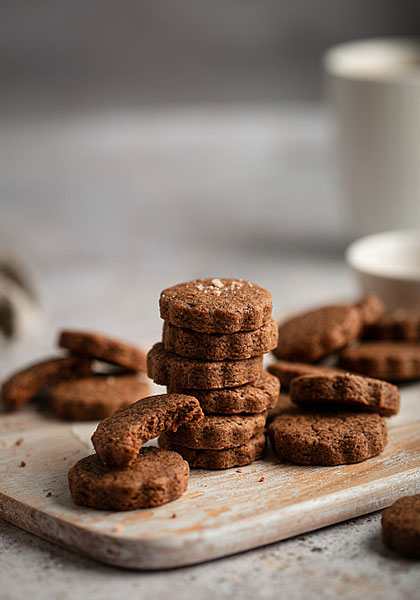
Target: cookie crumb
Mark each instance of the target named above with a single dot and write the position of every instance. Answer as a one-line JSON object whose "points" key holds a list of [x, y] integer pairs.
{"points": [[173, 516], [49, 495], [5, 443], [118, 527], [19, 441], [261, 479], [239, 470], [64, 457], [217, 283], [23, 463]]}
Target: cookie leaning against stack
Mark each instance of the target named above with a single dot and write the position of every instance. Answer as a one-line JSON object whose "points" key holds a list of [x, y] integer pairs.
{"points": [[214, 336]]}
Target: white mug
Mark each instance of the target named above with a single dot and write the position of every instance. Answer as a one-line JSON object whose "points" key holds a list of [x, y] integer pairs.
{"points": [[375, 90]]}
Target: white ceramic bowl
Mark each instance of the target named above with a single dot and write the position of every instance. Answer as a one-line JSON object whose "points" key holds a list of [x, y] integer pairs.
{"points": [[389, 264]]}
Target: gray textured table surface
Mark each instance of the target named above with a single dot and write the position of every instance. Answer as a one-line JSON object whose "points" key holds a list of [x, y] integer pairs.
{"points": [[110, 209]]}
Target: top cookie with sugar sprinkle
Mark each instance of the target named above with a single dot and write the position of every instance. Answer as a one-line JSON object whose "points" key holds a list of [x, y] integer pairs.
{"points": [[216, 305]]}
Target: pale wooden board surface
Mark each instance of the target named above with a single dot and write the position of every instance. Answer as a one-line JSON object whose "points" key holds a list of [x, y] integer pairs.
{"points": [[221, 513]]}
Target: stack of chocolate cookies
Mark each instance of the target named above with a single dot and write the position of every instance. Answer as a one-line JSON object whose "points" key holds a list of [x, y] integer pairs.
{"points": [[338, 419], [215, 334], [331, 416]]}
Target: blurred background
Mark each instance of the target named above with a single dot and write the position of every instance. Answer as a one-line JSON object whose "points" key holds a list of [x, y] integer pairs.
{"points": [[144, 143]]}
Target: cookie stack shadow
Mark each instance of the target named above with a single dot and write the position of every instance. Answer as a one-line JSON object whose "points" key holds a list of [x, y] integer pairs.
{"points": [[215, 334]]}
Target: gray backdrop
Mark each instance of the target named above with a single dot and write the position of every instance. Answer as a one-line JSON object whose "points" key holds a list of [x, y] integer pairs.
{"points": [[102, 52]]}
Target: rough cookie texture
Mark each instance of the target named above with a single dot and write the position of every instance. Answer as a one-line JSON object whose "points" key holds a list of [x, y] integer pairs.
{"points": [[216, 305], [227, 458], [372, 308], [401, 526], [215, 432], [400, 325], [22, 386], [104, 348], [119, 438], [395, 361], [154, 478], [96, 397], [166, 368], [220, 346], [286, 371], [254, 397], [283, 403], [327, 438], [351, 391], [313, 335]]}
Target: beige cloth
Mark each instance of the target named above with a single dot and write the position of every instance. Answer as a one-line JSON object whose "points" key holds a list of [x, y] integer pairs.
{"points": [[20, 306]]}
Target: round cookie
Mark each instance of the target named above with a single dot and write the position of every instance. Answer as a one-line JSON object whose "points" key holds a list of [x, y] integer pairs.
{"points": [[254, 397], [119, 438], [227, 458], [348, 391], [96, 397], [400, 325], [104, 348], [215, 432], [220, 346], [327, 438], [401, 526], [22, 386], [372, 308], [283, 403], [166, 368], [155, 477], [315, 334], [286, 371], [394, 361], [216, 305]]}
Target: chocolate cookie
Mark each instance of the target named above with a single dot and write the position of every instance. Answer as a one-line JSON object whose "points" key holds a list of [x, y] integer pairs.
{"points": [[96, 397], [215, 432], [313, 335], [327, 438], [394, 361], [372, 308], [401, 526], [254, 397], [286, 371], [119, 438], [216, 305], [227, 458], [400, 325], [351, 391], [104, 348], [283, 403], [166, 368], [154, 478], [22, 386], [220, 346]]}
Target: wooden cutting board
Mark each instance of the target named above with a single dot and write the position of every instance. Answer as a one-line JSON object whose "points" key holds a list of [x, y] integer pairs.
{"points": [[221, 513]]}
